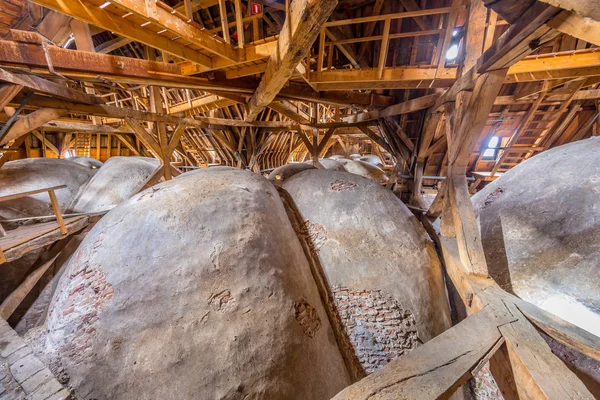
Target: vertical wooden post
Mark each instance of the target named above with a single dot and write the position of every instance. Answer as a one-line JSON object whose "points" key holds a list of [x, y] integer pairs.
{"points": [[56, 208], [321, 52], [315, 146], [224, 22], [109, 146], [188, 10], [384, 48], [239, 23]]}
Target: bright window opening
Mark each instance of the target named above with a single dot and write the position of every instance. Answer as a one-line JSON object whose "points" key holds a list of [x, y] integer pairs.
{"points": [[491, 152]]}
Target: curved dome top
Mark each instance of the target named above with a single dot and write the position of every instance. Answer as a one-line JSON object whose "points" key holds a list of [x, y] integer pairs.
{"points": [[385, 276], [540, 224], [117, 180], [196, 287], [37, 173]]}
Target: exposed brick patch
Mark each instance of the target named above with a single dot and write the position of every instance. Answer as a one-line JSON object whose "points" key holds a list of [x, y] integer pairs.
{"points": [[222, 301], [307, 317], [339, 185], [88, 295], [379, 329], [492, 197], [484, 385], [314, 234]]}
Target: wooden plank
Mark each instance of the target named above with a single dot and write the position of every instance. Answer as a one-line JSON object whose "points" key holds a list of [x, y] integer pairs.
{"points": [[30, 192], [27, 233], [436, 369], [301, 28]]}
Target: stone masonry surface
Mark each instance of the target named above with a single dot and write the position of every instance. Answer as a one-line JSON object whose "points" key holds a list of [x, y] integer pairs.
{"points": [[22, 375]]}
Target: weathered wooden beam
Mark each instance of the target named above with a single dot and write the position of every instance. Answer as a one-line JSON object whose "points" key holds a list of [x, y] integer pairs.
{"points": [[112, 45], [46, 143], [419, 103], [122, 113], [375, 138], [577, 26], [512, 10], [300, 30], [175, 23], [436, 369], [28, 123], [121, 26], [45, 86], [7, 93], [145, 137], [12, 301], [289, 110], [88, 66]]}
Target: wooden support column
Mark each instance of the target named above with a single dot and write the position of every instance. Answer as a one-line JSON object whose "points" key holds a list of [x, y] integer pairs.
{"points": [[156, 106], [224, 22], [57, 212], [239, 23]]}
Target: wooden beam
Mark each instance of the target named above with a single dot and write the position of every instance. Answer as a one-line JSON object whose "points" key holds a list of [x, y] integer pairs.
{"points": [[7, 93], [439, 367], [123, 27], [46, 86], [145, 137], [419, 103], [32, 121], [12, 301], [577, 26], [82, 35], [180, 130], [46, 143], [178, 24], [122, 113], [289, 110], [112, 45], [301, 28], [375, 138]]}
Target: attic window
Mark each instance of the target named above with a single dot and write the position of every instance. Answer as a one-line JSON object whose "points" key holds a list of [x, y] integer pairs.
{"points": [[491, 153]]}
